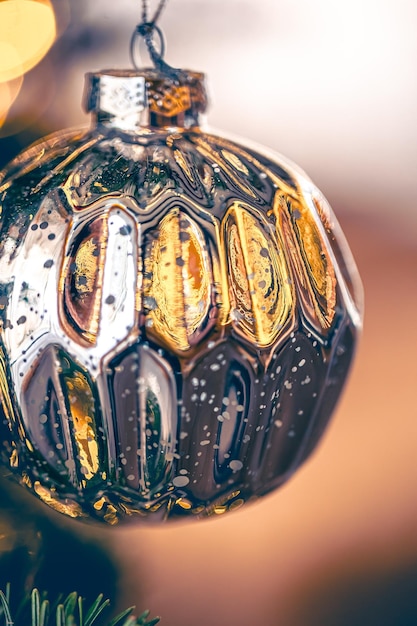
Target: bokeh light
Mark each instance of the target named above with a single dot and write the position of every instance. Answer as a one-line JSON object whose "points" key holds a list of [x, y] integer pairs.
{"points": [[27, 31], [8, 94]]}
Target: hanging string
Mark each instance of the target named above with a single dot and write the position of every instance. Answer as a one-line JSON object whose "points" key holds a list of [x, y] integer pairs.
{"points": [[144, 11], [149, 31], [158, 11], [161, 6]]}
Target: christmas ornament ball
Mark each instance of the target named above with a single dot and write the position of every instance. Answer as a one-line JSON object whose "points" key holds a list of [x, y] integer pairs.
{"points": [[178, 311]]}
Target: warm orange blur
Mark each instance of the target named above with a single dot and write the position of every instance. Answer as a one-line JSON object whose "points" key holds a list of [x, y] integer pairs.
{"points": [[27, 31]]}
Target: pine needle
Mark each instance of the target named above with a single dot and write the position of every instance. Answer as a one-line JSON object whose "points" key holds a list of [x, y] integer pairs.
{"points": [[6, 609], [68, 612]]}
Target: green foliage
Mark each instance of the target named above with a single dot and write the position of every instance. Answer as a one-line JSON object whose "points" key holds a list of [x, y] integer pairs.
{"points": [[65, 612]]}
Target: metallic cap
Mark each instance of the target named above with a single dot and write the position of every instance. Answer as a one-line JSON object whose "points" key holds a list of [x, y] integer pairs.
{"points": [[134, 99]]}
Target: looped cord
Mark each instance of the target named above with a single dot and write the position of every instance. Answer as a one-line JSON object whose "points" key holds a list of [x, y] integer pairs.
{"points": [[147, 30], [157, 13]]}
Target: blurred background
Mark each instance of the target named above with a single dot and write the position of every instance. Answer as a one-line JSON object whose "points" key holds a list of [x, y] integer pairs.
{"points": [[333, 86]]}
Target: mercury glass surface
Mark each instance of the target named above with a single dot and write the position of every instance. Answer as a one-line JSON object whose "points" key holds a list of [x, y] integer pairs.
{"points": [[178, 311]]}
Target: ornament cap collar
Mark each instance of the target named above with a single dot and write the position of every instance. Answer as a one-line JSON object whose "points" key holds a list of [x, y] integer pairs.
{"points": [[135, 99]]}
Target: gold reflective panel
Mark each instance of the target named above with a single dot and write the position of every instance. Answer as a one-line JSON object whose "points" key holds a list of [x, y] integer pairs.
{"points": [[340, 248], [14, 458], [82, 411], [182, 162], [260, 291], [170, 102], [310, 248], [108, 510], [5, 400], [177, 286], [231, 502], [228, 162], [82, 277], [234, 160], [68, 507]]}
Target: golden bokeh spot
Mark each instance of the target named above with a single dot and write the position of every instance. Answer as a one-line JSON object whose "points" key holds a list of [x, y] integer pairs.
{"points": [[27, 31]]}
